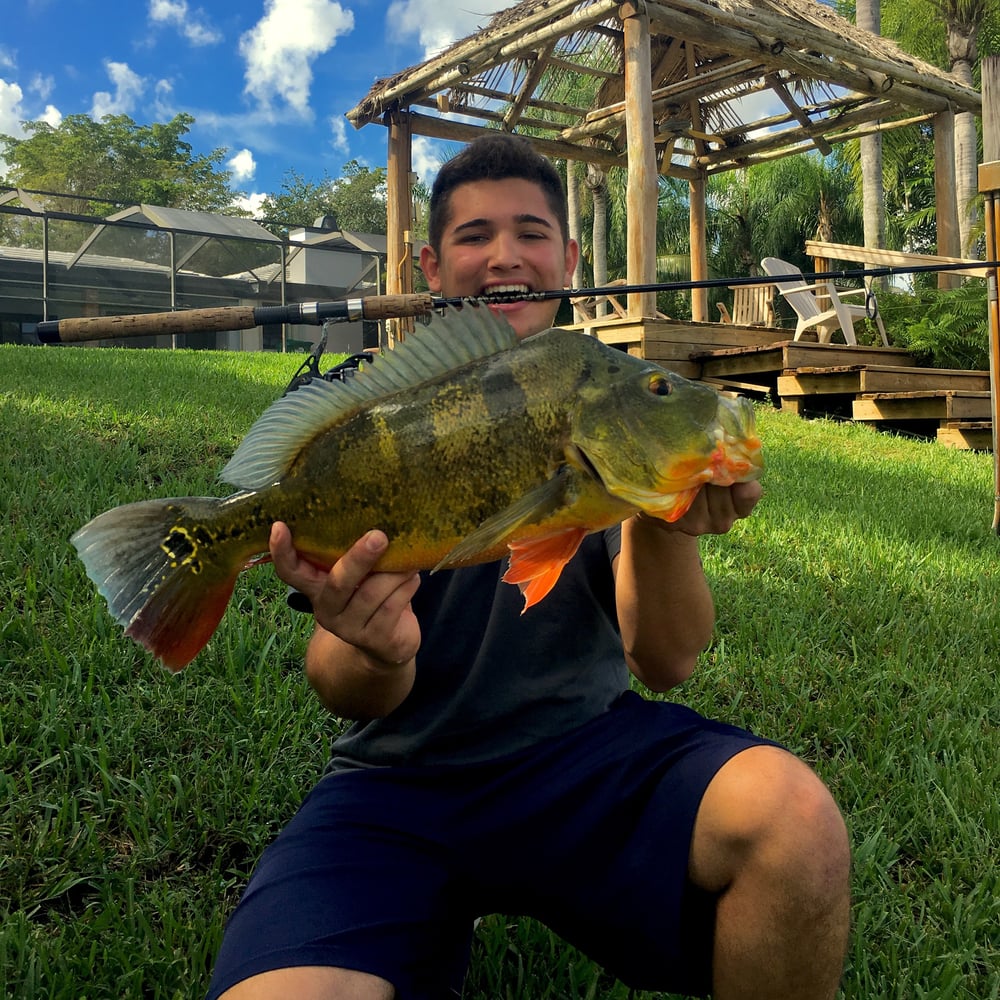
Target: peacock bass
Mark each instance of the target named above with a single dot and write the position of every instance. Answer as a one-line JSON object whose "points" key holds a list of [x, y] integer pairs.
{"points": [[463, 445]]}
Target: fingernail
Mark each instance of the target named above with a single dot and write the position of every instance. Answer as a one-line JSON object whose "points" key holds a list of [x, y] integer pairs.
{"points": [[375, 541]]}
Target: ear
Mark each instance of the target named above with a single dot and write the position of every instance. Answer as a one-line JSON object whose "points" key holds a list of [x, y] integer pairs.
{"points": [[429, 265], [572, 256]]}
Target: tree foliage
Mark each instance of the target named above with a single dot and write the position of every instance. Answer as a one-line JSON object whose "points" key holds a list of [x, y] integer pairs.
{"points": [[117, 162], [357, 199]]}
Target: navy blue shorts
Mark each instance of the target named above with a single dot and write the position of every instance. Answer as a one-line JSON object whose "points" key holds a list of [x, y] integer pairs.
{"points": [[384, 870]]}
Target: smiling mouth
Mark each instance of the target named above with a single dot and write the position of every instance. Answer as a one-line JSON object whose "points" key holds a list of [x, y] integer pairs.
{"points": [[506, 293]]}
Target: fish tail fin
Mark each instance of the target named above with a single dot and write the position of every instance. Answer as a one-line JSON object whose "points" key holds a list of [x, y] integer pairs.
{"points": [[158, 566], [536, 564]]}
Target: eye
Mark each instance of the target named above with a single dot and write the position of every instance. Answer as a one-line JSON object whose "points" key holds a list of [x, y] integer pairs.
{"points": [[660, 386]]}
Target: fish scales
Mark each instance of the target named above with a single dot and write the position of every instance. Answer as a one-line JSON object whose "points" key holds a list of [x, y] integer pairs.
{"points": [[490, 434], [462, 445]]}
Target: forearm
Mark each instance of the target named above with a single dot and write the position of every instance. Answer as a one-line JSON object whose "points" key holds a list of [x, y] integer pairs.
{"points": [[665, 606], [353, 684]]}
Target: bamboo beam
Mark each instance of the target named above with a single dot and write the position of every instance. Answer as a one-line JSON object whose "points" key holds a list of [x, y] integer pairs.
{"points": [[608, 117], [399, 216], [776, 140], [499, 95], [486, 114], [777, 85], [989, 182], [697, 209], [531, 78], [641, 192], [439, 128], [803, 147]]}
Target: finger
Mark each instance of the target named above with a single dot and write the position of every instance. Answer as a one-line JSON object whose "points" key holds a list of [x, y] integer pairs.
{"points": [[745, 496], [289, 565], [358, 561]]}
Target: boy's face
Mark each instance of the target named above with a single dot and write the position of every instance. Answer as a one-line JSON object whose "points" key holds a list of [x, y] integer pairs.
{"points": [[502, 235]]}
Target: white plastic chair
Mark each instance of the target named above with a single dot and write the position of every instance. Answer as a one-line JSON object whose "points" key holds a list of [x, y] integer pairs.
{"points": [[802, 297]]}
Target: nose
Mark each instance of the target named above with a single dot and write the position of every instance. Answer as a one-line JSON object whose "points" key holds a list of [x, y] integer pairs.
{"points": [[504, 252]]}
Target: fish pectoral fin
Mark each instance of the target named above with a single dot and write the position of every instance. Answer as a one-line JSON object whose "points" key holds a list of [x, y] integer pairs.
{"points": [[535, 564], [534, 506]]}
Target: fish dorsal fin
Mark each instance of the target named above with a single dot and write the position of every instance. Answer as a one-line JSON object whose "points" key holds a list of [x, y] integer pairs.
{"points": [[452, 338]]}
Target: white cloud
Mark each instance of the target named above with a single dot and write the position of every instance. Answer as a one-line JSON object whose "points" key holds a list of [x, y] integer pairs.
{"points": [[338, 135], [11, 112], [436, 23], [193, 26], [251, 203], [129, 87], [280, 49], [42, 85], [8, 60], [52, 116], [242, 166], [426, 157]]}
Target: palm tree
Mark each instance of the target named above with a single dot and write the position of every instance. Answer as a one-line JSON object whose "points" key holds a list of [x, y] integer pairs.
{"points": [[963, 19], [869, 17]]}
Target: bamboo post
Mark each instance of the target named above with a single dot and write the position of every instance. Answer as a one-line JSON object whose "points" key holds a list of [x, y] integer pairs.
{"points": [[642, 189], [399, 213], [989, 185]]}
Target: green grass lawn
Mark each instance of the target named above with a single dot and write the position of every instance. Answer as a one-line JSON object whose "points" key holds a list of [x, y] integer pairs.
{"points": [[859, 623]]}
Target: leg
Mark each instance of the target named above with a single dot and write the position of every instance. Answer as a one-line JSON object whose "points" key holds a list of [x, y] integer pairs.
{"points": [[311, 982], [770, 839], [344, 905]]}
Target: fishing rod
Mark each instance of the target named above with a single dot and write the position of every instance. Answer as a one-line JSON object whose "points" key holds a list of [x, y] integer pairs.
{"points": [[380, 307]]}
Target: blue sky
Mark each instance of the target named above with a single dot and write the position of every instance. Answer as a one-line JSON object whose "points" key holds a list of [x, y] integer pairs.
{"points": [[267, 80]]}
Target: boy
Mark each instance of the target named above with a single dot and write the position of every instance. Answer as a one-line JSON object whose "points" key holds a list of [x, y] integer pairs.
{"points": [[499, 763]]}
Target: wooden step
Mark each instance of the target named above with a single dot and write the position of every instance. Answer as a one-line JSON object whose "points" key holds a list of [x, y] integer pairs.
{"points": [[941, 404], [868, 379], [795, 354], [971, 435]]}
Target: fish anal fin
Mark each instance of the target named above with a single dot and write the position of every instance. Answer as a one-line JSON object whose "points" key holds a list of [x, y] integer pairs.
{"points": [[536, 564], [176, 628]]}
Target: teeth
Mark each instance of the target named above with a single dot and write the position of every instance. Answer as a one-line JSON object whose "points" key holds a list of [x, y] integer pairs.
{"points": [[504, 289]]}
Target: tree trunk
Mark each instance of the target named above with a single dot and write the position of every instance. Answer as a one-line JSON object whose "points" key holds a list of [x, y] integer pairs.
{"points": [[963, 22], [869, 17], [597, 182], [966, 166], [573, 218]]}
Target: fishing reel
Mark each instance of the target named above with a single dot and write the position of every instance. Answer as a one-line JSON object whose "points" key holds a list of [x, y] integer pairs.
{"points": [[309, 369]]}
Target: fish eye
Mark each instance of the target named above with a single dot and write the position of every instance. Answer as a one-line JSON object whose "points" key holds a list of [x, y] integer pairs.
{"points": [[660, 386]]}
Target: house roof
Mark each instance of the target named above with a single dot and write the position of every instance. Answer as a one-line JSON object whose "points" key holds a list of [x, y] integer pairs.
{"points": [[733, 82]]}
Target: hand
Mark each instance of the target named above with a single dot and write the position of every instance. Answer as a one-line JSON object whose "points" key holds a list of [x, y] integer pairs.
{"points": [[714, 511], [368, 610]]}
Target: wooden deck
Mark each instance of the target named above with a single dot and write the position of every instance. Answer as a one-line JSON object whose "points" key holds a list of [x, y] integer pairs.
{"points": [[881, 386]]}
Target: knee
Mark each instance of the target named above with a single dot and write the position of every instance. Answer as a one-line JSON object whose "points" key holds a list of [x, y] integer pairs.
{"points": [[767, 815]]}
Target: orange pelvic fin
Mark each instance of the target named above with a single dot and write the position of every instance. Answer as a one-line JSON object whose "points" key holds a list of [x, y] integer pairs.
{"points": [[535, 564]]}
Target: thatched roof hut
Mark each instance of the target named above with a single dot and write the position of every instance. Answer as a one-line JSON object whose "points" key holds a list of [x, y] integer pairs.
{"points": [[685, 88]]}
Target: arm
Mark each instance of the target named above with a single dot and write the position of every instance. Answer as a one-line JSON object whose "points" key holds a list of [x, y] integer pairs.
{"points": [[665, 607], [360, 659]]}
